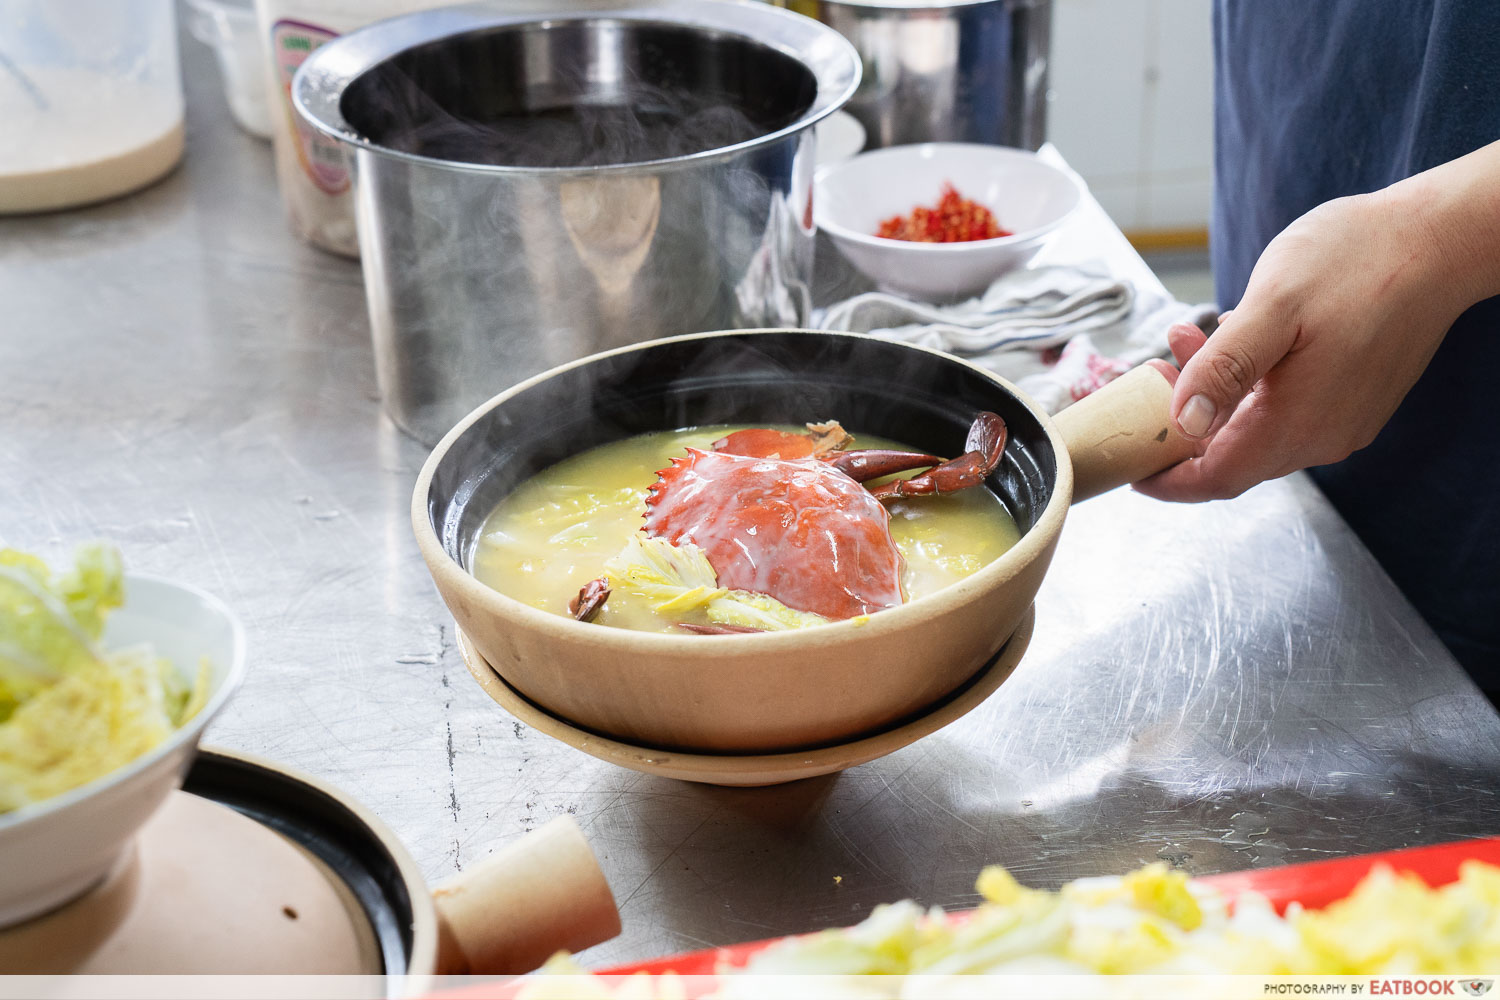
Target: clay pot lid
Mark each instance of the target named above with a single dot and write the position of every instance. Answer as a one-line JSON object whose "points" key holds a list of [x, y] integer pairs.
{"points": [[247, 870]]}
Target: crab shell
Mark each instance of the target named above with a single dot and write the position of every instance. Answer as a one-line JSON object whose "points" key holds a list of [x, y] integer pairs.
{"points": [[799, 531]]}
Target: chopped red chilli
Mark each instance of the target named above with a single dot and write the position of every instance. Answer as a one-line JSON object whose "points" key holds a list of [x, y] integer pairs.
{"points": [[956, 219]]}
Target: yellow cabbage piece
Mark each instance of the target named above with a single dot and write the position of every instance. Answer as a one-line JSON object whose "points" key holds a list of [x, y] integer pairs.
{"points": [[678, 578]]}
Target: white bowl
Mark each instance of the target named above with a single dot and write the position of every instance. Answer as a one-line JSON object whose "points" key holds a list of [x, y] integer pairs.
{"points": [[840, 136], [54, 850], [1029, 197]]}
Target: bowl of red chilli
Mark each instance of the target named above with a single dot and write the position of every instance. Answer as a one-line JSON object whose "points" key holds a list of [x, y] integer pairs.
{"points": [[1027, 198]]}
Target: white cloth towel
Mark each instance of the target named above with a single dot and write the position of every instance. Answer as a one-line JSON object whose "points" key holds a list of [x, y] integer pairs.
{"points": [[1057, 332]]}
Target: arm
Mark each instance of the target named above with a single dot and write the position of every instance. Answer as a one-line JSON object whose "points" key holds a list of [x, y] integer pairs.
{"points": [[1341, 315]]}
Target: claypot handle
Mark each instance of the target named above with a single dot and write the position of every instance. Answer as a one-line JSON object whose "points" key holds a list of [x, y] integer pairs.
{"points": [[516, 908], [1122, 433]]}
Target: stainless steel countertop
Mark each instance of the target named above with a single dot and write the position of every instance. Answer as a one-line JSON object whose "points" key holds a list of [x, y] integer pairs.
{"points": [[1222, 686]]}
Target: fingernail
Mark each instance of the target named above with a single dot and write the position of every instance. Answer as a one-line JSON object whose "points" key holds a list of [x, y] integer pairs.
{"points": [[1197, 416]]}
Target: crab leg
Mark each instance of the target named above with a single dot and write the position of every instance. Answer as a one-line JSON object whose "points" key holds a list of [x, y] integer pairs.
{"points": [[590, 599], [820, 441], [717, 629], [985, 446]]}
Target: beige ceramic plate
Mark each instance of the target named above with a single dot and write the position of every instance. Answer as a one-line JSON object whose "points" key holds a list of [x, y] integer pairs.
{"points": [[755, 769]]}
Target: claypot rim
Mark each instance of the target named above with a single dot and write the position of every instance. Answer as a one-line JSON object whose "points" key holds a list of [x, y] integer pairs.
{"points": [[451, 577]]}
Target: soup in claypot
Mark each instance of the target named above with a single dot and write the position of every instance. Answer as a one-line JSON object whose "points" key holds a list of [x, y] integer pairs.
{"points": [[672, 535]]}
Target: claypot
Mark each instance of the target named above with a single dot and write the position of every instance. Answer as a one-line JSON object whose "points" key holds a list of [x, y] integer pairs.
{"points": [[776, 691]]}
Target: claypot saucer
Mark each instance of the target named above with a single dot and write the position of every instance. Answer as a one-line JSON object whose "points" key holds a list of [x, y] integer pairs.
{"points": [[755, 769]]}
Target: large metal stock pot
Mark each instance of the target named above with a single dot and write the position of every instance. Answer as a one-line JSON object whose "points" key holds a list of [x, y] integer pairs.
{"points": [[535, 183], [946, 70]]}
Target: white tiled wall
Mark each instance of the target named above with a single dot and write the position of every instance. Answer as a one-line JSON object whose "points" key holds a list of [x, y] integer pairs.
{"points": [[1132, 106]]}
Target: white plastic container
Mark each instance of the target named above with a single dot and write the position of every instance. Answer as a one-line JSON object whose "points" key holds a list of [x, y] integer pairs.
{"points": [[90, 100], [311, 168], [229, 28]]}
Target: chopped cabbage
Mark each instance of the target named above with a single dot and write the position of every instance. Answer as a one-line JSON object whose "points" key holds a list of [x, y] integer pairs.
{"points": [[70, 711], [1156, 921], [678, 578], [1152, 921]]}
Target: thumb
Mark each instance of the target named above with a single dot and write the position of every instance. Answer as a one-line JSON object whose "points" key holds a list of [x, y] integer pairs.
{"points": [[1246, 345]]}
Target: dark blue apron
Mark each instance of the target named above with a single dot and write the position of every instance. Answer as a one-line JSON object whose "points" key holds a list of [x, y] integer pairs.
{"points": [[1317, 99]]}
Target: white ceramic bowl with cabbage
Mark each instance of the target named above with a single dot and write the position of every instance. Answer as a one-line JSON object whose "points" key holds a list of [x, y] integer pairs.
{"points": [[101, 709]]}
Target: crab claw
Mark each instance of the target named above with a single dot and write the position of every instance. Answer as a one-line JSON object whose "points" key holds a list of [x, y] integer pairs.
{"points": [[823, 441], [985, 446], [590, 599], [872, 463]]}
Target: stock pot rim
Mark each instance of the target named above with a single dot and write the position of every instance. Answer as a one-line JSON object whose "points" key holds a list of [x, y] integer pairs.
{"points": [[323, 78]]}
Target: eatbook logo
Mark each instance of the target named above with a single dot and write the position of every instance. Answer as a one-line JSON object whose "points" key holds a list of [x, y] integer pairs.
{"points": [[1477, 987]]}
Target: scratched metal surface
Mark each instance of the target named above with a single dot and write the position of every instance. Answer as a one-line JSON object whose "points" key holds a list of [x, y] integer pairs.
{"points": [[1221, 686]]}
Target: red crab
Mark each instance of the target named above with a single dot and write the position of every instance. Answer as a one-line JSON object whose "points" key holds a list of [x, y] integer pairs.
{"points": [[788, 515]]}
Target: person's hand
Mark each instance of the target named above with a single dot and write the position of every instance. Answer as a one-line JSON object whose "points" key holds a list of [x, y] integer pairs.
{"points": [[1342, 313]]}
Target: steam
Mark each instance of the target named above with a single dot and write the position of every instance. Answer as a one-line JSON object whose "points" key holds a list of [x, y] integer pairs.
{"points": [[666, 127], [413, 109]]}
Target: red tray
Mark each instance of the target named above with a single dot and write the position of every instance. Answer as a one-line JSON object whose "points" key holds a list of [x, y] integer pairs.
{"points": [[1314, 885]]}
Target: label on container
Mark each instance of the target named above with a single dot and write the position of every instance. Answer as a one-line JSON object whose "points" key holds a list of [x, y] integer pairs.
{"points": [[322, 158]]}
